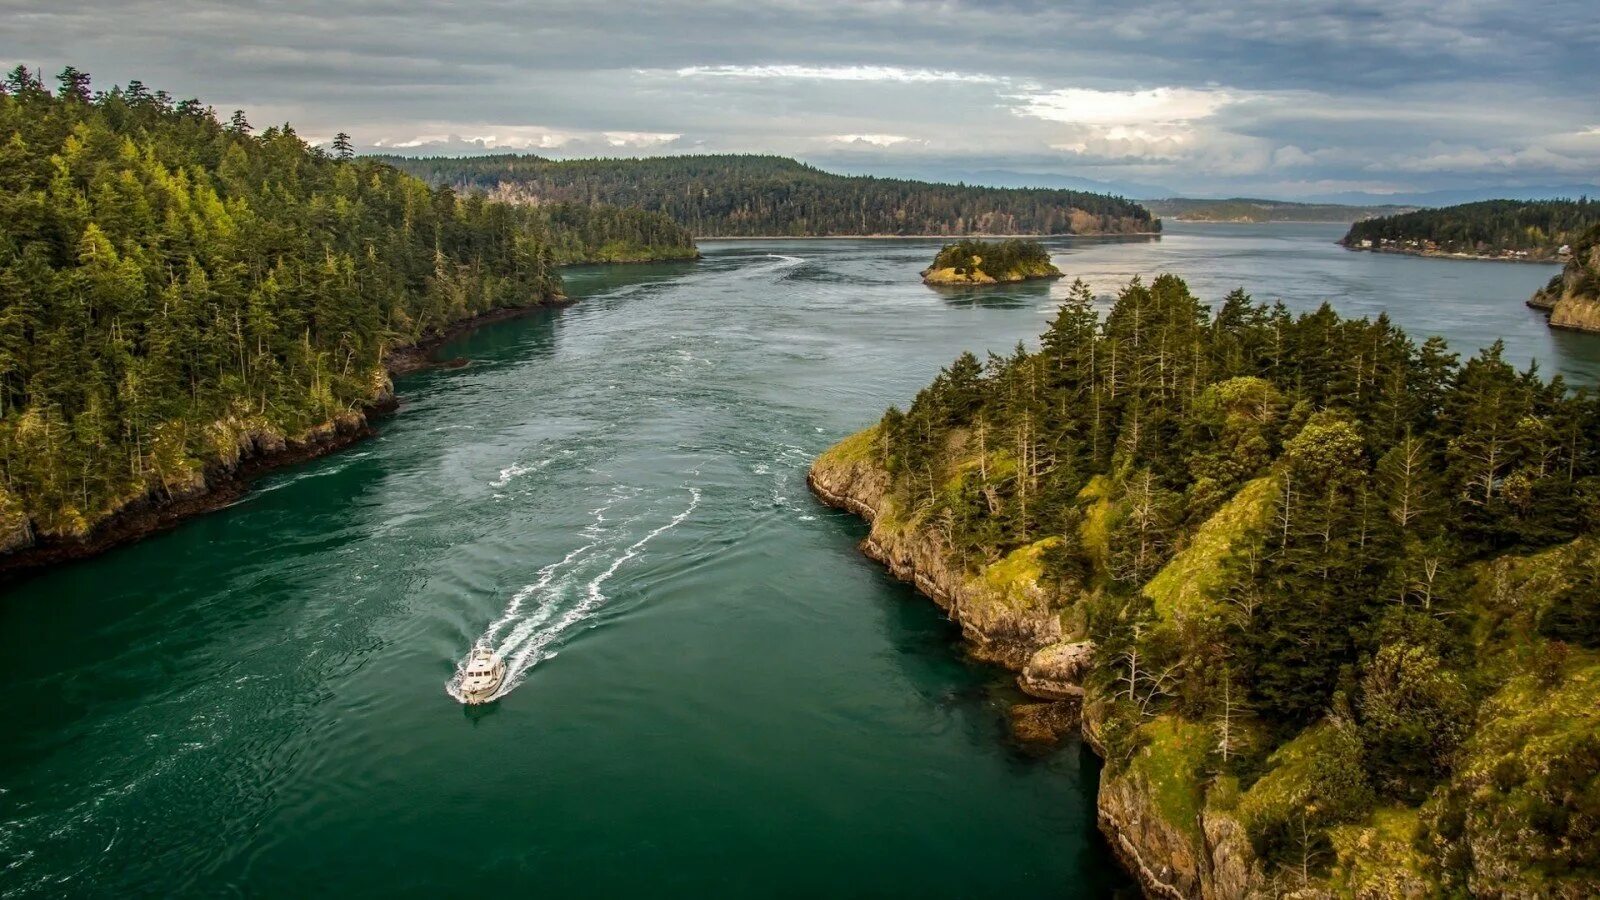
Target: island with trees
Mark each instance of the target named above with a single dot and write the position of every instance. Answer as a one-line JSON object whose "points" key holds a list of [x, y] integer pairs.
{"points": [[1325, 598], [1572, 298], [756, 196], [976, 262], [185, 299], [1510, 230]]}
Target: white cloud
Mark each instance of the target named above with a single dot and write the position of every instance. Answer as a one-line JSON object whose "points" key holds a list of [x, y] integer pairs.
{"points": [[876, 140], [837, 73], [639, 138], [456, 137], [1290, 155], [1158, 106]]}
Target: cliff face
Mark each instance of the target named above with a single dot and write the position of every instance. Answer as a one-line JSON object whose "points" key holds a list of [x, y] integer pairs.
{"points": [[1152, 809], [1186, 829], [1004, 614], [1572, 298]]}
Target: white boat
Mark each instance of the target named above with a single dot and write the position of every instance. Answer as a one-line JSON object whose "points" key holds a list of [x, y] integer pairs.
{"points": [[481, 676]]}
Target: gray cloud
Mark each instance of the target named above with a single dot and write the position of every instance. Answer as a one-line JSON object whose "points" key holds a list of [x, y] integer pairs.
{"points": [[1204, 96]]}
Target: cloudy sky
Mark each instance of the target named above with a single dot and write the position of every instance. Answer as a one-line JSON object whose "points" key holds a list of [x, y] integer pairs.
{"points": [[1200, 97]]}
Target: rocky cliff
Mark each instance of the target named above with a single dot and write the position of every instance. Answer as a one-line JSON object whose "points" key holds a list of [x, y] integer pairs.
{"points": [[1003, 613], [1151, 809], [1572, 299]]}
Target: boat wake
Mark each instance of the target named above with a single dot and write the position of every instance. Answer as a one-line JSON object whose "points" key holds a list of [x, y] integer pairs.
{"points": [[565, 594]]}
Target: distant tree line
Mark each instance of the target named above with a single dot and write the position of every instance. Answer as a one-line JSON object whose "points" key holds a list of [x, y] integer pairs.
{"points": [[734, 195], [1491, 226]]}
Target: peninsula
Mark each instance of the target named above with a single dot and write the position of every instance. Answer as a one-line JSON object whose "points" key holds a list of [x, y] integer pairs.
{"points": [[1506, 230], [1332, 630], [190, 301]]}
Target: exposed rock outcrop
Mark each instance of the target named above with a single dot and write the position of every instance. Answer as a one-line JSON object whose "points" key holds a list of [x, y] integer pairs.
{"points": [[1151, 809], [1572, 299], [1044, 723], [1005, 616], [1056, 672]]}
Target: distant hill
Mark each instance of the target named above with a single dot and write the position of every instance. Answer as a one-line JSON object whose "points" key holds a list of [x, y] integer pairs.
{"points": [[1247, 209], [1459, 196], [748, 196], [1515, 229], [1000, 178]]}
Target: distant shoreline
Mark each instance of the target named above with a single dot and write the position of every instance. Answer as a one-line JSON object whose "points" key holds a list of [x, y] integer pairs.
{"points": [[1474, 257], [930, 237], [1344, 222]]}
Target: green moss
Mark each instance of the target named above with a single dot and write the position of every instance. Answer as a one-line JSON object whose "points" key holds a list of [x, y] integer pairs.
{"points": [[1511, 596], [1171, 762], [860, 447], [1013, 578], [1097, 521], [1525, 797], [1002, 465], [1315, 780], [1379, 857], [1193, 578]]}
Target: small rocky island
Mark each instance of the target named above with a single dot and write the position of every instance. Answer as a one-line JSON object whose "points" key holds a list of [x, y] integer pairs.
{"points": [[990, 262], [1572, 298]]}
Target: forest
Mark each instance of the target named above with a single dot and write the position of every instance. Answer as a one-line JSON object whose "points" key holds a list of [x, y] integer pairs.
{"points": [[741, 196], [1341, 584], [1490, 227], [176, 290]]}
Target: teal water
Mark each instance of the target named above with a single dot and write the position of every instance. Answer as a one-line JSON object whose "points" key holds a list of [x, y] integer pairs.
{"points": [[716, 696]]}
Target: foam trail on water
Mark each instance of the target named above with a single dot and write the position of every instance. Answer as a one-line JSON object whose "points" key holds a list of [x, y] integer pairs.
{"points": [[547, 576], [533, 651]]}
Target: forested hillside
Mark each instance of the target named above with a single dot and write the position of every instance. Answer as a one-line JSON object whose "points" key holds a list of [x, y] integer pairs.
{"points": [[1342, 589], [1533, 228], [582, 233], [722, 196], [177, 291]]}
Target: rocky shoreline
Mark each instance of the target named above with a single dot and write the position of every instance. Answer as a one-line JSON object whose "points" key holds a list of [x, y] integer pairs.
{"points": [[224, 483], [1566, 301], [1012, 624]]}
